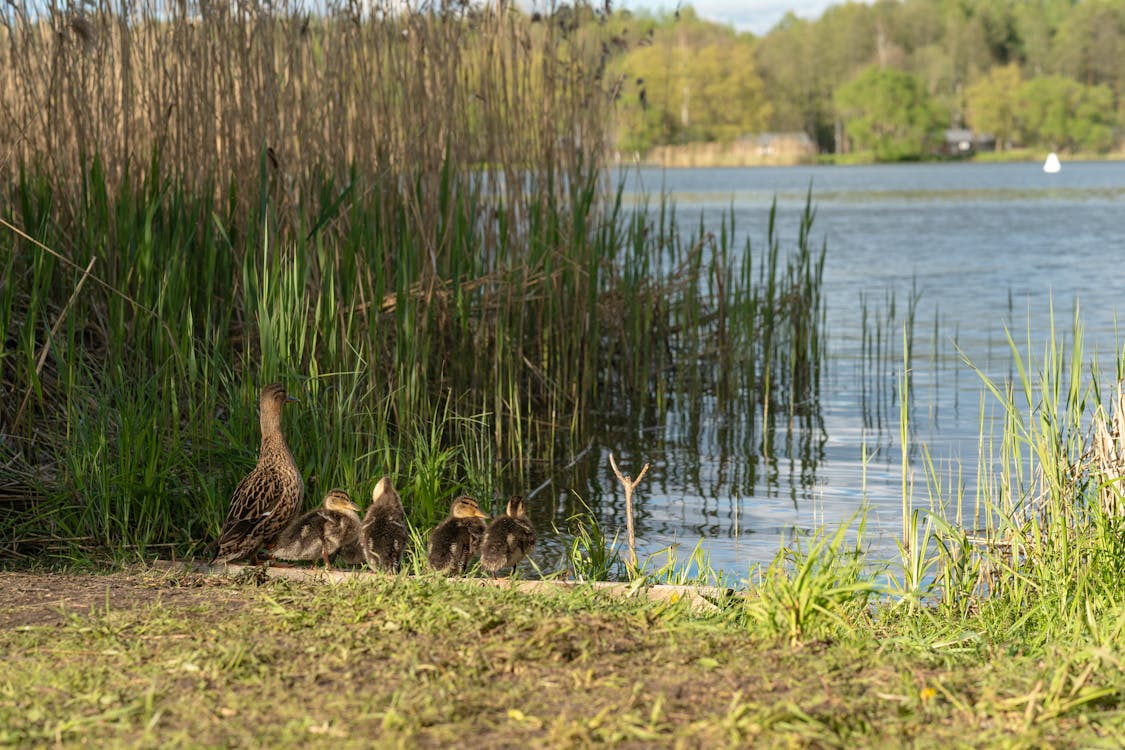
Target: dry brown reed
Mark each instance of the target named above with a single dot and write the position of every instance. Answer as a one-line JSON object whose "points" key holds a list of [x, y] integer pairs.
{"points": [[1107, 454], [204, 88]]}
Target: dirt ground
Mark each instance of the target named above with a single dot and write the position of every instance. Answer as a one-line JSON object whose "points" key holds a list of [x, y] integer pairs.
{"points": [[28, 599]]}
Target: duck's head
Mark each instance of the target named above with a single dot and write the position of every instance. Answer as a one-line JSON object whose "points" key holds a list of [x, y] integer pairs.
{"points": [[517, 507], [466, 507], [383, 489], [274, 396], [339, 500]]}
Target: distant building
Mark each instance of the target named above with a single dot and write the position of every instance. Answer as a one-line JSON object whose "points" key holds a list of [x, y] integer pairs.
{"points": [[750, 150], [775, 145], [962, 142]]}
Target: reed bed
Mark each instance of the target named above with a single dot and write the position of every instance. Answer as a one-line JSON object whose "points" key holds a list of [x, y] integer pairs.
{"points": [[1035, 550], [400, 211], [395, 89]]}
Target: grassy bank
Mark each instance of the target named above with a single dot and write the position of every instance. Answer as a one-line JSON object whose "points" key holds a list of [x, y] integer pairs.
{"points": [[147, 659]]}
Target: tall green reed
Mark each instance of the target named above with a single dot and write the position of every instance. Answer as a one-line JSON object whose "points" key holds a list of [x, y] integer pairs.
{"points": [[1035, 554], [208, 325]]}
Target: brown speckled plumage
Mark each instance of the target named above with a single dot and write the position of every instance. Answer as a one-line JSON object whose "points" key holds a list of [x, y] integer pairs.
{"points": [[321, 532], [455, 541], [508, 539], [270, 496], [383, 536]]}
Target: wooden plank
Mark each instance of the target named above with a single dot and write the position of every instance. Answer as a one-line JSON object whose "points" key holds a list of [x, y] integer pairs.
{"points": [[699, 598]]}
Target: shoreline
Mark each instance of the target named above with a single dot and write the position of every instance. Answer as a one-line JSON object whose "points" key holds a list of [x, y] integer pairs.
{"points": [[715, 156]]}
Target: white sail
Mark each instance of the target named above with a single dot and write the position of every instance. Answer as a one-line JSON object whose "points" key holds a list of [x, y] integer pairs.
{"points": [[1052, 164]]}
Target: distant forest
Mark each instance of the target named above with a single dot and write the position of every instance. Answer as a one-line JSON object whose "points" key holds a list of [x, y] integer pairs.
{"points": [[886, 78]]}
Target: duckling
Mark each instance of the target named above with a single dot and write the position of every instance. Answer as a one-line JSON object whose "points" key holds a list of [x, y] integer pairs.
{"points": [[455, 540], [320, 532], [270, 496], [508, 539], [383, 535]]}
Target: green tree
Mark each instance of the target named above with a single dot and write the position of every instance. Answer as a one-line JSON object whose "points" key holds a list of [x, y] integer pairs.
{"points": [[695, 82], [845, 41], [729, 97], [795, 87], [888, 112], [1036, 23], [1090, 43], [993, 103], [1064, 115]]}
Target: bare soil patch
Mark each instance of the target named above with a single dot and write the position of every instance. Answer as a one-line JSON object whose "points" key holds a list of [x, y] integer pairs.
{"points": [[50, 598]]}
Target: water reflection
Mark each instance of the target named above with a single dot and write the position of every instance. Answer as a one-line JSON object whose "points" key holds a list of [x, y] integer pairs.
{"points": [[926, 265], [708, 465]]}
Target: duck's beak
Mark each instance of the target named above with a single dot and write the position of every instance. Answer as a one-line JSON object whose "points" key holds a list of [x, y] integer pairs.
{"points": [[291, 400]]}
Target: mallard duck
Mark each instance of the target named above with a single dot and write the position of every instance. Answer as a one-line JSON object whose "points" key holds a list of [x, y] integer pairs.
{"points": [[270, 496], [383, 535], [508, 539], [320, 532], [456, 539]]}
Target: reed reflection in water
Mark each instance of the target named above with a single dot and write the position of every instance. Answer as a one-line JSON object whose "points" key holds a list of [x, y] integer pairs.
{"points": [[925, 264]]}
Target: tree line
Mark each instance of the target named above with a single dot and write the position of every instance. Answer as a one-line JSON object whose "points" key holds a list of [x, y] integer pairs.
{"points": [[885, 78]]}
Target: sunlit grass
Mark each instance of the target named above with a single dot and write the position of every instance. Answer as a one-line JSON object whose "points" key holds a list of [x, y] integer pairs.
{"points": [[141, 658]]}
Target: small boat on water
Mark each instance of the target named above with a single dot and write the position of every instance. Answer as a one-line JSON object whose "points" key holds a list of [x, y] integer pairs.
{"points": [[1052, 165]]}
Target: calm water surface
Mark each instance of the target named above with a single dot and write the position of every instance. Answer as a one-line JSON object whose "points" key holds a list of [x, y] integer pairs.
{"points": [[974, 248]]}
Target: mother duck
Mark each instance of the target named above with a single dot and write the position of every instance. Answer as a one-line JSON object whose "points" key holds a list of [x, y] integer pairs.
{"points": [[269, 498]]}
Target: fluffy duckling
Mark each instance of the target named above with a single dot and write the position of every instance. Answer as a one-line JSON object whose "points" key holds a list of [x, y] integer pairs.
{"points": [[455, 540], [320, 532], [383, 535], [508, 539], [270, 496]]}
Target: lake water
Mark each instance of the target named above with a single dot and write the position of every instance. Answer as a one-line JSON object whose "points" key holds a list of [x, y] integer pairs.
{"points": [[975, 247]]}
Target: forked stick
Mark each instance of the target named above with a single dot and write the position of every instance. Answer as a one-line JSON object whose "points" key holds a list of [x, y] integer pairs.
{"points": [[629, 485]]}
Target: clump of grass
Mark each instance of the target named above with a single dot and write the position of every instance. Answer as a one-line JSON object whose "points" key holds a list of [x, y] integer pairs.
{"points": [[815, 591], [591, 555], [668, 567]]}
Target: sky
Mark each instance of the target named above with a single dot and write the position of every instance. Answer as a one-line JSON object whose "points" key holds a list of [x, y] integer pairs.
{"points": [[758, 16]]}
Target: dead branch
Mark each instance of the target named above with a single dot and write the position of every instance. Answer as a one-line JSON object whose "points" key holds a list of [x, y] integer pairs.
{"points": [[629, 485]]}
